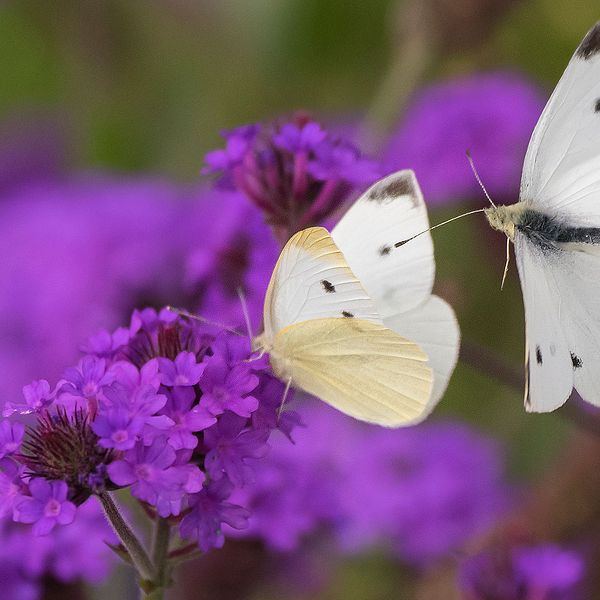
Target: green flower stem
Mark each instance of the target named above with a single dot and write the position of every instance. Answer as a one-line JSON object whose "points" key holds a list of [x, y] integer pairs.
{"points": [[160, 551], [135, 549]]}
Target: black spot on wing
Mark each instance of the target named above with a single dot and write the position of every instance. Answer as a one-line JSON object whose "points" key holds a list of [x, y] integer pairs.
{"points": [[390, 191], [328, 286], [538, 355], [590, 46], [347, 315], [597, 105], [384, 250], [577, 362]]}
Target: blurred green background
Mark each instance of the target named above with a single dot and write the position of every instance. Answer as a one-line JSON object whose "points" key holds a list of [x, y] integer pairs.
{"points": [[145, 87]]}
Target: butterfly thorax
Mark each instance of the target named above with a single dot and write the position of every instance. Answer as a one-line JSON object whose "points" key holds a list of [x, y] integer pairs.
{"points": [[505, 218]]}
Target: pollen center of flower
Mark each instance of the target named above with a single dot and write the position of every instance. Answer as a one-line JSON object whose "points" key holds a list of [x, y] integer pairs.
{"points": [[181, 379], [52, 508], [220, 393]]}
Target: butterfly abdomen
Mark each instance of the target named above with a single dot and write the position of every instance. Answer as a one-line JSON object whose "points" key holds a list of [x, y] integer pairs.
{"points": [[553, 233]]}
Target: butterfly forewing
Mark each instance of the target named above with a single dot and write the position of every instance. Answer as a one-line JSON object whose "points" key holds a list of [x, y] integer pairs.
{"points": [[361, 368], [312, 280], [389, 211], [561, 173]]}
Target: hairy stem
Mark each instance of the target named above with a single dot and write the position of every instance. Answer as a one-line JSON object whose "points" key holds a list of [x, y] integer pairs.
{"points": [[160, 551], [135, 549]]}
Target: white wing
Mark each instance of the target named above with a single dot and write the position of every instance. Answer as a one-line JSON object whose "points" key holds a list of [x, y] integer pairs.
{"points": [[312, 280], [578, 277], [400, 279], [360, 368], [390, 211], [433, 327], [561, 173], [548, 359]]}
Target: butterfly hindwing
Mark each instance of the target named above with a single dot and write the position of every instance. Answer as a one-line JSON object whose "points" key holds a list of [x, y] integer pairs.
{"points": [[360, 368], [434, 328], [312, 280], [548, 360]]}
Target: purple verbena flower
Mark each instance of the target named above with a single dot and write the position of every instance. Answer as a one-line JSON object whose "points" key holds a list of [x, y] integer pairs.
{"points": [[225, 388], [37, 395], [296, 172], [46, 507], [230, 447], [184, 370], [187, 419], [11, 436], [209, 510]]}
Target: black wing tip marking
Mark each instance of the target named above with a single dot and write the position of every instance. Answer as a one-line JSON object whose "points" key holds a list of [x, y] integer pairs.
{"points": [[328, 286], [597, 106], [347, 315], [384, 250], [538, 356], [389, 191], [590, 46], [577, 362]]}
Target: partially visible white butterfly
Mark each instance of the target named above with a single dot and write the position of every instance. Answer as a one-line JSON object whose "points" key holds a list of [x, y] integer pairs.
{"points": [[378, 347], [555, 228]]}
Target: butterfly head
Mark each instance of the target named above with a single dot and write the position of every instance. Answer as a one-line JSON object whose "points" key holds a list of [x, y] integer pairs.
{"points": [[505, 218]]}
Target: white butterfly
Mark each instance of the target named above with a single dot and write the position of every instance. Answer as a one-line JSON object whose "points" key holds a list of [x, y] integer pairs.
{"points": [[378, 347], [555, 228]]}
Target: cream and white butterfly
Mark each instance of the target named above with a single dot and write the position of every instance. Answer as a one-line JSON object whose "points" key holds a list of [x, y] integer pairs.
{"points": [[376, 345], [555, 228]]}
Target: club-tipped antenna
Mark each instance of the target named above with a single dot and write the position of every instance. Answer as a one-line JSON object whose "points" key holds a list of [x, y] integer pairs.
{"points": [[471, 212], [242, 297], [184, 313], [474, 169]]}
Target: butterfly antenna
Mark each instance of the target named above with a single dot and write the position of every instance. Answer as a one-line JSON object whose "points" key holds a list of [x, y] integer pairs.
{"points": [[189, 315], [283, 399], [471, 212], [474, 169], [242, 297], [506, 264]]}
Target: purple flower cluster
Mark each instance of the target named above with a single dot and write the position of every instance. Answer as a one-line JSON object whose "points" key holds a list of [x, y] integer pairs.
{"points": [[296, 172], [522, 573], [170, 408], [421, 492], [492, 115]]}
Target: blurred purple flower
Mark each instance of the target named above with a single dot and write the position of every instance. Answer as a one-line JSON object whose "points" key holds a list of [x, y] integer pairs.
{"points": [[490, 114], [46, 507], [235, 252], [522, 573], [421, 492], [36, 396]]}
